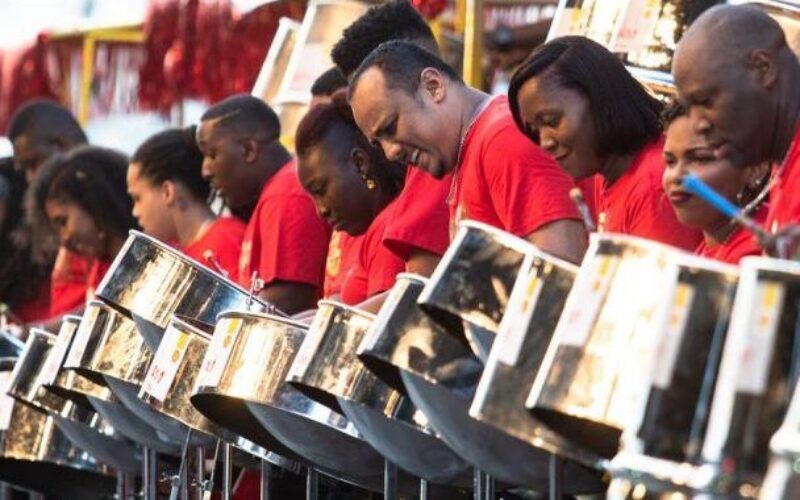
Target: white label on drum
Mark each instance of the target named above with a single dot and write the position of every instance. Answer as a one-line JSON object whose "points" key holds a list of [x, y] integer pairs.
{"points": [[219, 351], [583, 303], [673, 328], [514, 326], [82, 337], [764, 320], [313, 338], [56, 357], [166, 363]]}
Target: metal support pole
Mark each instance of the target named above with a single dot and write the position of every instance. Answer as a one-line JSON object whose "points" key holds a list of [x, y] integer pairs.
{"points": [[199, 472], [312, 484], [389, 480], [423, 489], [489, 487], [227, 471], [35, 496], [5, 492], [123, 485], [478, 485], [556, 477], [266, 480], [149, 467]]}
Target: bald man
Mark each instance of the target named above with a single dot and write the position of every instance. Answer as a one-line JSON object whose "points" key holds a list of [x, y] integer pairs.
{"points": [[740, 82]]}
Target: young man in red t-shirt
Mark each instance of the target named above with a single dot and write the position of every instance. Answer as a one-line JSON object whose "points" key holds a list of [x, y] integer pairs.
{"points": [[285, 241], [744, 98], [421, 112]]}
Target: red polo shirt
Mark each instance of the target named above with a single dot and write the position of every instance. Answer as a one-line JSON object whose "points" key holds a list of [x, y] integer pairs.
{"points": [[221, 243], [376, 267], [68, 282], [342, 257], [419, 218], [740, 243], [636, 203], [784, 201], [507, 181], [284, 239], [97, 271]]}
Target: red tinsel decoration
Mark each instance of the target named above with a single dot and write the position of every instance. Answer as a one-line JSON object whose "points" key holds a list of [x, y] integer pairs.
{"points": [[28, 79], [201, 49], [429, 8]]}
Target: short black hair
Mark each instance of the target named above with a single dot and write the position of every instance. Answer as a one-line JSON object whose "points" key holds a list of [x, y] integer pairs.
{"points": [[625, 115], [401, 64], [173, 155], [328, 83], [43, 119], [393, 20], [337, 117], [672, 111], [94, 179], [245, 113]]}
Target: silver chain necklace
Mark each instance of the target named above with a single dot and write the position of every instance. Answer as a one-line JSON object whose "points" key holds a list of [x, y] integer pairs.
{"points": [[483, 105]]}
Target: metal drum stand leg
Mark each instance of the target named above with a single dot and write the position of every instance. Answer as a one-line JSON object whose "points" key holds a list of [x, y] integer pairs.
{"points": [[149, 478], [389, 480], [266, 480], [423, 489], [227, 471], [199, 472], [312, 484], [556, 477]]}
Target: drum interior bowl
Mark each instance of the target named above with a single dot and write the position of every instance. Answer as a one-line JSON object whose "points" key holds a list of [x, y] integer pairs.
{"points": [[149, 282]]}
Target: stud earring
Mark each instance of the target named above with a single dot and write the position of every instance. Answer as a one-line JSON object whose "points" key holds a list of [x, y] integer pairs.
{"points": [[369, 182]]}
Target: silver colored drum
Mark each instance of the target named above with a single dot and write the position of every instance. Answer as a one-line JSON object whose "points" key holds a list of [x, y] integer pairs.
{"points": [[629, 295], [35, 455], [469, 290], [149, 282], [247, 363], [327, 370]]}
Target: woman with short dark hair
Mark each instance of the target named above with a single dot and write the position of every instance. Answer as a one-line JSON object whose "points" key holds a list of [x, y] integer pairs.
{"points": [[170, 201], [578, 101], [352, 184]]}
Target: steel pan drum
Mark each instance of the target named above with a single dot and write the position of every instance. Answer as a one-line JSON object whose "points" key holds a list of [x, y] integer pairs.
{"points": [[149, 282], [327, 370], [633, 298], [526, 330], [258, 351], [82, 426], [757, 376], [172, 374], [403, 337], [470, 287], [35, 454]]}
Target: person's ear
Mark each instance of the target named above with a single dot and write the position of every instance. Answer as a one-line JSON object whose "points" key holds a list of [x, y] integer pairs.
{"points": [[168, 192], [762, 63], [432, 84], [360, 160], [249, 150]]}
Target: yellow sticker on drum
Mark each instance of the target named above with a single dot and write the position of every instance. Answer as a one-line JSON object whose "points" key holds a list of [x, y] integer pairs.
{"points": [[672, 329], [757, 353], [219, 351], [167, 360]]}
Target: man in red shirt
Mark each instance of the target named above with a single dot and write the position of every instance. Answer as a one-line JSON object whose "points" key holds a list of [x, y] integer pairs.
{"points": [[39, 130], [417, 227], [285, 241], [739, 80], [422, 113]]}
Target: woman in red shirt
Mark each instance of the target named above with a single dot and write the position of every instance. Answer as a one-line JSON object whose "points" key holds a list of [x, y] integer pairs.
{"points": [[86, 201], [170, 201], [353, 186], [577, 101], [685, 151]]}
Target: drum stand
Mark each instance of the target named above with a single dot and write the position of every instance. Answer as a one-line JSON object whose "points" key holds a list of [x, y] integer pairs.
{"points": [[482, 486], [149, 467], [312, 484], [266, 480], [556, 477], [124, 483], [389, 480]]}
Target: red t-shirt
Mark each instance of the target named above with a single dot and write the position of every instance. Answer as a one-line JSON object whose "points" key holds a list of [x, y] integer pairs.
{"points": [[36, 309], [97, 271], [419, 217], [220, 245], [740, 243], [342, 257], [636, 203], [784, 201], [507, 181], [285, 239], [376, 267], [68, 282]]}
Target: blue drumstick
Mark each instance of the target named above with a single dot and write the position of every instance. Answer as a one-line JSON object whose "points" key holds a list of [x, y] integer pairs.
{"points": [[697, 187]]}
